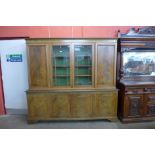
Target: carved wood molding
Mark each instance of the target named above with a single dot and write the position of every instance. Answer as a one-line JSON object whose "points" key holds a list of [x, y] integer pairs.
{"points": [[125, 49], [136, 78], [150, 44], [148, 31]]}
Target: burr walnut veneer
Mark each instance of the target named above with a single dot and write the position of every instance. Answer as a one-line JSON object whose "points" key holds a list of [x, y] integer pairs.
{"points": [[71, 79]]}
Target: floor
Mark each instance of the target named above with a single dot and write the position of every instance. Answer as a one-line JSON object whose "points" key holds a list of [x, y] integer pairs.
{"points": [[20, 122]]}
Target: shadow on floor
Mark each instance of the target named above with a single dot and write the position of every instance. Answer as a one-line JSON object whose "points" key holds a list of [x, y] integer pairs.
{"points": [[20, 122]]}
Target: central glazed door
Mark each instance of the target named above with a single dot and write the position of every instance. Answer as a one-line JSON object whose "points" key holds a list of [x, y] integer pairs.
{"points": [[83, 65], [72, 65], [61, 65]]}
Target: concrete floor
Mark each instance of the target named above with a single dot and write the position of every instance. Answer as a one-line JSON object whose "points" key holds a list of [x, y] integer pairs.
{"points": [[20, 122]]}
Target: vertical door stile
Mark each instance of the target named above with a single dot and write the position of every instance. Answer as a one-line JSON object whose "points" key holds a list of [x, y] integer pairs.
{"points": [[48, 57], [93, 66], [50, 64], [72, 64], [95, 57], [28, 65], [115, 63]]}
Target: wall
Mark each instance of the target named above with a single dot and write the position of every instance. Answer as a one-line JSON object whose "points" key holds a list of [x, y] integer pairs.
{"points": [[59, 32], [62, 31]]}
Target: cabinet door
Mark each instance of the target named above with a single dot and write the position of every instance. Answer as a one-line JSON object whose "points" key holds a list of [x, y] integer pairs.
{"points": [[150, 105], [81, 105], [133, 106], [105, 65], [38, 106], [83, 65], [37, 66], [106, 104], [59, 106], [61, 66]]}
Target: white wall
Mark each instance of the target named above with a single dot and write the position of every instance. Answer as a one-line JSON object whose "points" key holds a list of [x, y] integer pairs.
{"points": [[14, 74]]}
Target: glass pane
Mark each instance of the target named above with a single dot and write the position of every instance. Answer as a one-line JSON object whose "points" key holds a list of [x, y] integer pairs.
{"points": [[139, 63], [83, 64], [61, 65]]}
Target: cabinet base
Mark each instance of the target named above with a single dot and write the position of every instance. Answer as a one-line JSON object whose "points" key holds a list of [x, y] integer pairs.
{"points": [[111, 119], [88, 105], [135, 120]]}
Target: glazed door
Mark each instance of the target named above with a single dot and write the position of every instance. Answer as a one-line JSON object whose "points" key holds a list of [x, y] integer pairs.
{"points": [[61, 65], [105, 65], [133, 106], [83, 65]]}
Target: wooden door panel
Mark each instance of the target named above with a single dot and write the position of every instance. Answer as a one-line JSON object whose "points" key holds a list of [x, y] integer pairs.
{"points": [[133, 106], [59, 105], [150, 105], [38, 106], [38, 66], [81, 105], [105, 65], [106, 105]]}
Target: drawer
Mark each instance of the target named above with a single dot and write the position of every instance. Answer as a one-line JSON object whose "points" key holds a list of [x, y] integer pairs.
{"points": [[149, 90], [150, 98], [134, 91]]}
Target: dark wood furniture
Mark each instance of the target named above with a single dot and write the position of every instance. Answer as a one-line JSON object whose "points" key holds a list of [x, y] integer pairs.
{"points": [[136, 75], [72, 79]]}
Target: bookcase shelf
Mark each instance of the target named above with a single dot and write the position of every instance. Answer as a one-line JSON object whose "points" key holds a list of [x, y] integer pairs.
{"points": [[61, 66], [83, 75], [61, 75], [83, 66], [61, 57]]}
